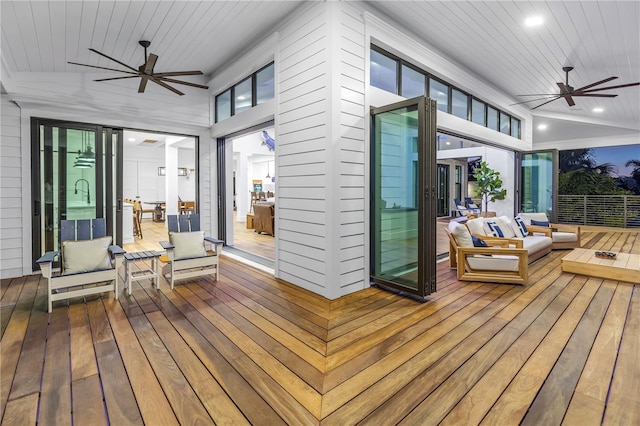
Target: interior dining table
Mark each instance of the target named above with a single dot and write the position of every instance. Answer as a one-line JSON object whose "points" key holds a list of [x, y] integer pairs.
{"points": [[158, 210]]}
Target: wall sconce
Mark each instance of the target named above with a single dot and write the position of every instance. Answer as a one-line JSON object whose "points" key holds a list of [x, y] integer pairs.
{"points": [[182, 171], [161, 171]]}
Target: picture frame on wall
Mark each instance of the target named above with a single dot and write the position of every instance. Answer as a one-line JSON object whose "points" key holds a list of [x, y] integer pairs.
{"points": [[161, 171]]}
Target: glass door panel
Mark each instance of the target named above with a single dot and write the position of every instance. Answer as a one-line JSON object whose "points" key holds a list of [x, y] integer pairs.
{"points": [[72, 178], [403, 203], [538, 182], [443, 190]]}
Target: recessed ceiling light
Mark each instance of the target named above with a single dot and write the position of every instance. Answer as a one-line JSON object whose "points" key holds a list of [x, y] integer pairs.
{"points": [[598, 109], [533, 21], [241, 98], [132, 139], [542, 127]]}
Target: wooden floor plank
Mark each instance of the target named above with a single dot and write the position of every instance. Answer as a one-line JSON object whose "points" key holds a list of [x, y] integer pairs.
{"points": [[88, 405], [591, 392], [185, 403], [511, 407], [55, 398], [472, 399], [21, 411], [83, 362], [550, 405], [623, 404], [28, 378], [204, 338], [152, 402]]}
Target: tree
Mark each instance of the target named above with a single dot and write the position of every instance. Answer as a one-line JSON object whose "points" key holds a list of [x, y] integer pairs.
{"points": [[576, 159], [489, 185]]}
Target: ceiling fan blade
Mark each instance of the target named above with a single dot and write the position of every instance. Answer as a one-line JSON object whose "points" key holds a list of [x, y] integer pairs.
{"points": [[563, 88], [143, 84], [176, 73], [186, 83], [151, 62], [116, 78], [595, 84], [534, 100], [540, 94], [114, 60], [103, 68], [166, 86], [557, 97], [611, 87], [569, 100], [595, 95]]}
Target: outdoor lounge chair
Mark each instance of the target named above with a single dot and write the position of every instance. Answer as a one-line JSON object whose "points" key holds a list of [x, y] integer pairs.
{"points": [[472, 206], [87, 257], [460, 208], [189, 252], [497, 263], [563, 236]]}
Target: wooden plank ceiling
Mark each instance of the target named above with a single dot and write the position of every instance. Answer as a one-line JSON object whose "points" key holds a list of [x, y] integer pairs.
{"points": [[600, 39]]}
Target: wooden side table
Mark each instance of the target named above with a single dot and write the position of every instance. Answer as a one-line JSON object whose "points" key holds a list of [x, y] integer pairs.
{"points": [[142, 273]]}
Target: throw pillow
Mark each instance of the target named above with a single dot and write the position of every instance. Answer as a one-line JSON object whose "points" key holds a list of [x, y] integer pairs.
{"points": [[540, 223], [86, 255], [476, 226], [505, 225], [187, 244], [461, 234], [521, 227], [495, 229], [479, 242]]}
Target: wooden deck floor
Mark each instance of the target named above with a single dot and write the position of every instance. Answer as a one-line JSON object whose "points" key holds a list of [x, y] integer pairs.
{"points": [[250, 349]]}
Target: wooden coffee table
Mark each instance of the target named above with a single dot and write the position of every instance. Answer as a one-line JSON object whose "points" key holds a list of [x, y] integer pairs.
{"points": [[625, 266]]}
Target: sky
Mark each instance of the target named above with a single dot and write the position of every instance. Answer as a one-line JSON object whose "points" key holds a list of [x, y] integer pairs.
{"points": [[617, 155]]}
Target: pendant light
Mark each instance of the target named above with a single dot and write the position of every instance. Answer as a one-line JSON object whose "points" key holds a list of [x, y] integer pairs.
{"points": [[267, 176], [86, 157]]}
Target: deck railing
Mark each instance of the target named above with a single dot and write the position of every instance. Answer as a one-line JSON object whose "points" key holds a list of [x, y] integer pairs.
{"points": [[622, 211]]}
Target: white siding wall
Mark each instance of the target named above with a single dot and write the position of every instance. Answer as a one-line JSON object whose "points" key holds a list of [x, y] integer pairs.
{"points": [[302, 129], [321, 152], [11, 209]]}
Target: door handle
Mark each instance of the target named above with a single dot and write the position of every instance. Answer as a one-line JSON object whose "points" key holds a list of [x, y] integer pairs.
{"points": [[119, 205], [36, 207]]}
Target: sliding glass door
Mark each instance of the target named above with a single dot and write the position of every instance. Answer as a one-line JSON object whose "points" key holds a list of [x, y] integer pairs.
{"points": [[538, 182], [76, 174], [404, 198]]}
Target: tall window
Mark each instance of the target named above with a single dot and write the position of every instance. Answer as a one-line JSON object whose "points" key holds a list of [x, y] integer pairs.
{"points": [[478, 115], [223, 105], [440, 92], [459, 104], [413, 82], [264, 84], [384, 72]]}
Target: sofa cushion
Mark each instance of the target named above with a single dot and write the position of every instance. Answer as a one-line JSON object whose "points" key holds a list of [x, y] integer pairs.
{"points": [[86, 255], [520, 227], [535, 243], [187, 244], [494, 263], [476, 226], [564, 237], [461, 234]]}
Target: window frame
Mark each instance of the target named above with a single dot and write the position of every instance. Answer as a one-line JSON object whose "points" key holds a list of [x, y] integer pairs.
{"points": [[254, 90]]}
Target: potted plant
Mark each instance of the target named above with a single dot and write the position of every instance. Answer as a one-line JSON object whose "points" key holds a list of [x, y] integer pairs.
{"points": [[489, 186]]}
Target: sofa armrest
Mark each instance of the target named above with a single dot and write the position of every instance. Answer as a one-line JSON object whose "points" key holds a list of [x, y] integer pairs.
{"points": [[213, 240], [48, 257], [539, 230]]}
